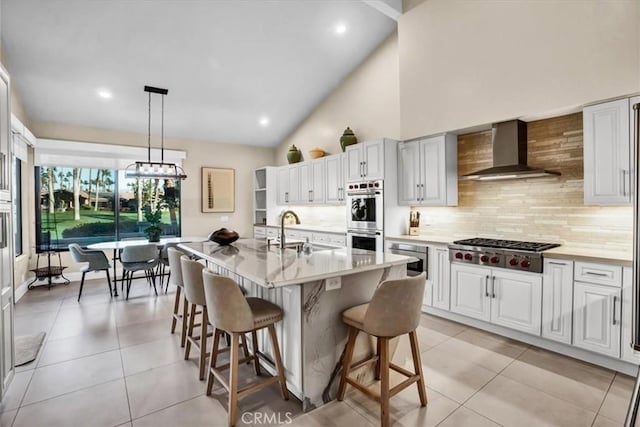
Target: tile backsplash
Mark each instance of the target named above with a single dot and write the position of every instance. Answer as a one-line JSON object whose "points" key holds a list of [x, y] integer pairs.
{"points": [[543, 209]]}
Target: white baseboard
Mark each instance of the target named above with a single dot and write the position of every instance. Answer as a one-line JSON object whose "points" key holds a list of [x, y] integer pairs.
{"points": [[568, 350]]}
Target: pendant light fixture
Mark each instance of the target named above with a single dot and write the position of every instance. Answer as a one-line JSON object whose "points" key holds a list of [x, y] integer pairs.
{"points": [[151, 169]]}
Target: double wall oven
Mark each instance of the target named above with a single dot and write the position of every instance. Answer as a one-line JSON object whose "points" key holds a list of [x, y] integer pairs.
{"points": [[365, 217]]}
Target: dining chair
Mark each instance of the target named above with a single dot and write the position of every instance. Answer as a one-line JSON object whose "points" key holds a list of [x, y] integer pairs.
{"points": [[96, 261], [139, 258]]}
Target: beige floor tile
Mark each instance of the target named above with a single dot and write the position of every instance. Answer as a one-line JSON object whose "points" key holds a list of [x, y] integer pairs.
{"points": [[606, 422], [569, 379], [83, 320], [464, 417], [78, 346], [617, 399], [153, 354], [266, 403], [162, 387], [453, 375], [102, 405], [405, 407], [23, 308], [65, 377], [202, 411], [143, 332], [482, 348], [142, 311], [333, 414], [89, 297], [6, 418], [16, 391], [34, 323], [510, 403], [434, 331]]}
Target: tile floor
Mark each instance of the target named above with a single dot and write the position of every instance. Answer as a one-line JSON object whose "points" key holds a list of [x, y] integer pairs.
{"points": [[107, 362]]}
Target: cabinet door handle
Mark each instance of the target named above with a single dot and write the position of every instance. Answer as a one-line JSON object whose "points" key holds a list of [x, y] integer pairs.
{"points": [[486, 286], [615, 300], [557, 263], [286, 197], [3, 233], [422, 193], [625, 173], [418, 192], [310, 195], [366, 169], [493, 286]]}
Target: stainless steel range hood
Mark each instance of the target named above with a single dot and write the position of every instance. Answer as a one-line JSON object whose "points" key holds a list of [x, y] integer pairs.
{"points": [[509, 155]]}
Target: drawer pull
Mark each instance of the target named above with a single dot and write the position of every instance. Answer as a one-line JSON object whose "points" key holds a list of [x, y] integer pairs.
{"points": [[593, 273], [557, 263]]}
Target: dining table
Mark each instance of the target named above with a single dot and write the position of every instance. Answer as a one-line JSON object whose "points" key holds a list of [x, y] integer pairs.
{"points": [[117, 245]]}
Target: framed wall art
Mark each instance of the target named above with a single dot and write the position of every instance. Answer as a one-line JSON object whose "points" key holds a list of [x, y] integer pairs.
{"points": [[218, 190]]}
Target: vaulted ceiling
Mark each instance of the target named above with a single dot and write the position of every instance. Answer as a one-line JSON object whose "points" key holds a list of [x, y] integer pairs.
{"points": [[237, 71]]}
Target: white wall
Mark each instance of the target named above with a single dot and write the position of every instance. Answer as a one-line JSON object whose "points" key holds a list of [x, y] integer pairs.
{"points": [[466, 63], [367, 101]]}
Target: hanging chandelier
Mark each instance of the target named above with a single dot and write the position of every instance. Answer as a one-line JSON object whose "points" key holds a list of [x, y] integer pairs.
{"points": [[161, 169]]}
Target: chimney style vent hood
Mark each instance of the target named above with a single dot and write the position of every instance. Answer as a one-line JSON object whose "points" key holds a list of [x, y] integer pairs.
{"points": [[509, 155]]}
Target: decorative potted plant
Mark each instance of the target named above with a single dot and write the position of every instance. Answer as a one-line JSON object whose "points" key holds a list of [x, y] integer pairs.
{"points": [[153, 215]]}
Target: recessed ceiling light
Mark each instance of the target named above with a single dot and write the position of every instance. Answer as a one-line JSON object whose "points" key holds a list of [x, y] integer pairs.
{"points": [[341, 29], [104, 94], [264, 121]]}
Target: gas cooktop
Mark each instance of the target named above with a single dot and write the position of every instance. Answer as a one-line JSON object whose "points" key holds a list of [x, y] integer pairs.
{"points": [[513, 254], [507, 244]]}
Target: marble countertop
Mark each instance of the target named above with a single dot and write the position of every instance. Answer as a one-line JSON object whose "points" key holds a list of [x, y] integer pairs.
{"points": [[581, 253], [271, 267], [333, 229]]}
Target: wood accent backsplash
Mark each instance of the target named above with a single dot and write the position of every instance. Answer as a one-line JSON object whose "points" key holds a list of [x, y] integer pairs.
{"points": [[543, 209]]}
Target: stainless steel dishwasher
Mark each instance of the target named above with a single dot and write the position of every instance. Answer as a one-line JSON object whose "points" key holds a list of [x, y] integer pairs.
{"points": [[416, 251]]}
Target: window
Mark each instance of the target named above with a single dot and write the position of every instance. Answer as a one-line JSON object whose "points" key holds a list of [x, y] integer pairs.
{"points": [[17, 208], [89, 205]]}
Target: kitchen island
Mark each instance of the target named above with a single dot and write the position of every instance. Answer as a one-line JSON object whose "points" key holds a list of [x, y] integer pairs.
{"points": [[313, 291]]}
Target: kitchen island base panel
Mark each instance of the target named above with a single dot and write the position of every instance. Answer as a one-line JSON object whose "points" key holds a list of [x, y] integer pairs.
{"points": [[312, 336]]}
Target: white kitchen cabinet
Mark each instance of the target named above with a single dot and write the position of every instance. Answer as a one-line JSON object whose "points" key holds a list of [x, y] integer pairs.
{"points": [[409, 178], [596, 318], [557, 300], [335, 173], [516, 300], [428, 172], [506, 298], [628, 354], [439, 267], [312, 182], [607, 153], [470, 291], [329, 239], [365, 161], [289, 184], [259, 232]]}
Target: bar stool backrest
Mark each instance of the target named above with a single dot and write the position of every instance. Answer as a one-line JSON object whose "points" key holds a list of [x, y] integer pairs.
{"points": [[227, 307], [395, 307], [192, 280], [174, 256], [140, 253]]}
